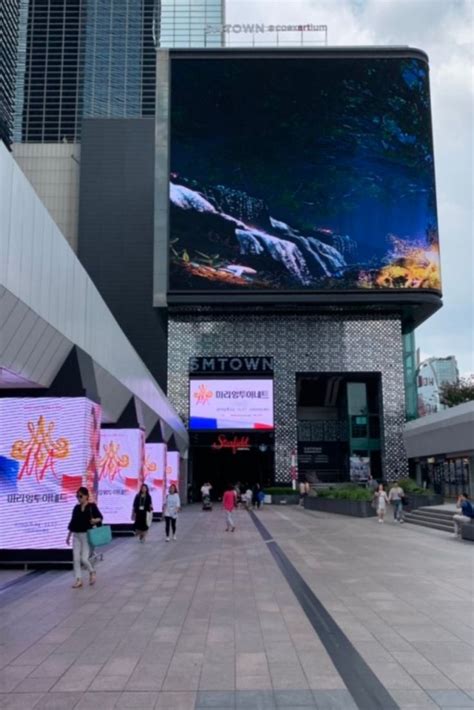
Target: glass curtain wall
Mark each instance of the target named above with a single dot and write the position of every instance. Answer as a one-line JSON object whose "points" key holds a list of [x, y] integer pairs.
{"points": [[191, 23]]}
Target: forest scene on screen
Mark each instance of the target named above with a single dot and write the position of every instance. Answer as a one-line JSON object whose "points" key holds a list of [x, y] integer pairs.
{"points": [[302, 174]]}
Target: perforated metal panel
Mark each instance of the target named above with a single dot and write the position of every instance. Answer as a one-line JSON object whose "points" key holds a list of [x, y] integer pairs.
{"points": [[298, 343]]}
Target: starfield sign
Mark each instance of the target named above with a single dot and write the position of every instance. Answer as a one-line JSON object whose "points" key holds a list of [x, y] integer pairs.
{"points": [[257, 365], [238, 443]]}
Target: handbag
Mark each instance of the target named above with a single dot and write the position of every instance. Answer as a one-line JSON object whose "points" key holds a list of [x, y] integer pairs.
{"points": [[149, 518], [100, 536]]}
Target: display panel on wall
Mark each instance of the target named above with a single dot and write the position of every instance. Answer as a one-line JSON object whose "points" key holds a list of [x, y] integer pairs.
{"points": [[155, 476], [172, 469], [120, 468], [48, 449], [302, 173], [230, 404]]}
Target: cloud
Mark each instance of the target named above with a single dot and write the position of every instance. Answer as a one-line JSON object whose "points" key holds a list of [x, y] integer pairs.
{"points": [[444, 30]]}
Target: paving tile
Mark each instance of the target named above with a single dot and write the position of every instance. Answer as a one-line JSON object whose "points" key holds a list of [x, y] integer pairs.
{"points": [[295, 697], [451, 698], [411, 699], [334, 700], [176, 701], [255, 700], [108, 682], [140, 700], [22, 701], [214, 699], [31, 685], [58, 701], [99, 700]]}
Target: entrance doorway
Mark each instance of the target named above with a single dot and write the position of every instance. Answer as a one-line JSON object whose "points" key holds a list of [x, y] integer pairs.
{"points": [[230, 457]]}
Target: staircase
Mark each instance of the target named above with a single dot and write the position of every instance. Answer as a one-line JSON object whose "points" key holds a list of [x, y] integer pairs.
{"points": [[435, 518]]}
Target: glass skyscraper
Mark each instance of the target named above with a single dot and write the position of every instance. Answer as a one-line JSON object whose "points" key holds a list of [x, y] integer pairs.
{"points": [[9, 24], [187, 23], [97, 58]]}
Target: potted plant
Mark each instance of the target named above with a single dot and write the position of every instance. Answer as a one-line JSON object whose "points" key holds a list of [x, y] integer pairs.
{"points": [[418, 496], [282, 495]]}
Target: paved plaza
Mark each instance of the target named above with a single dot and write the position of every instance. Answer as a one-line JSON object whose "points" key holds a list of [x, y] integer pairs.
{"points": [[211, 621]]}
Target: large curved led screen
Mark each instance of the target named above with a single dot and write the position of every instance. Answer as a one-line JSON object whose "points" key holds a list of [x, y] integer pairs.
{"points": [[301, 174]]}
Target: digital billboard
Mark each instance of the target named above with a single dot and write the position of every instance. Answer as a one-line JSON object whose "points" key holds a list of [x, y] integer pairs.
{"points": [[301, 173], [48, 448], [172, 469], [155, 473], [120, 471], [230, 404]]}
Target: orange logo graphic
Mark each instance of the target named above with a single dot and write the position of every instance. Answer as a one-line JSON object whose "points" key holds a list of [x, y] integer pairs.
{"points": [[111, 463], [39, 453], [202, 394], [149, 466]]}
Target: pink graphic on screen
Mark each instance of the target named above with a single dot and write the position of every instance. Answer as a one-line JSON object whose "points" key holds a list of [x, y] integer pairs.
{"points": [[120, 472], [155, 465], [172, 469], [230, 404], [46, 453]]}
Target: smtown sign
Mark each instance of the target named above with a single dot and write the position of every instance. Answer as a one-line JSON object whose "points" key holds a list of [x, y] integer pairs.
{"points": [[120, 470], [155, 473], [48, 448], [231, 404]]}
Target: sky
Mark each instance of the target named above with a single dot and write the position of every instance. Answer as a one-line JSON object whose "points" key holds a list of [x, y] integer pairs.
{"points": [[444, 29]]}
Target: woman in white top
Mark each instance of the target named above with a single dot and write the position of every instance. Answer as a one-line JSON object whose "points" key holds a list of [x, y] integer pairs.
{"points": [[382, 501], [171, 509]]}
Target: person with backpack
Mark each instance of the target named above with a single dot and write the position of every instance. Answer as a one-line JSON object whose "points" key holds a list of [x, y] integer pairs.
{"points": [[465, 514]]}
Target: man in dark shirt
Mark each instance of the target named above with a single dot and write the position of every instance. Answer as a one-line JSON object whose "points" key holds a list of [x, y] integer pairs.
{"points": [[465, 515]]}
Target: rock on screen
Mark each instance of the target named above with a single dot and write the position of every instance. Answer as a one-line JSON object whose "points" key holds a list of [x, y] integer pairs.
{"points": [[120, 469], [230, 404], [48, 449], [155, 476], [301, 173]]}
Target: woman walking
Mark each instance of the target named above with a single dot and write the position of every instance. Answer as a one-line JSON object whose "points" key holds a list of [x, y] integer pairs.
{"points": [[85, 515], [381, 500], [229, 502], [171, 509], [142, 506]]}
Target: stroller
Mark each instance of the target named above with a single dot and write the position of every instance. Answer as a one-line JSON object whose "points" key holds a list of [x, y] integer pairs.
{"points": [[206, 503]]}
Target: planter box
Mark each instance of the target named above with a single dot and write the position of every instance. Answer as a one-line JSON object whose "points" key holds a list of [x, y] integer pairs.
{"points": [[291, 499], [357, 508], [419, 501]]}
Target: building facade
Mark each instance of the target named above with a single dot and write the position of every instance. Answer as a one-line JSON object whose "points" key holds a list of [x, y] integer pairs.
{"points": [[432, 374]]}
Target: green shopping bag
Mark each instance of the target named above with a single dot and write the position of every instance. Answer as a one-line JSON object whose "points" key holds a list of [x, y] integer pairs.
{"points": [[100, 536]]}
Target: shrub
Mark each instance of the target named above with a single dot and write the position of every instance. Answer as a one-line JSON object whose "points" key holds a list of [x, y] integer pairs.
{"points": [[346, 492], [280, 491], [410, 486]]}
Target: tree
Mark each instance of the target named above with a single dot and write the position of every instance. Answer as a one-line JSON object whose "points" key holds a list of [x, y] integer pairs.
{"points": [[458, 392]]}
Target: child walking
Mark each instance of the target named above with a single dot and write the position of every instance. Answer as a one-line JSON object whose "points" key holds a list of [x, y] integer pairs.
{"points": [[228, 503]]}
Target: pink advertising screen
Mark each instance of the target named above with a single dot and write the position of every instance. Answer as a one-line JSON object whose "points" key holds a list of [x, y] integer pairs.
{"points": [[48, 448], [155, 477], [230, 404], [120, 468], [172, 469]]}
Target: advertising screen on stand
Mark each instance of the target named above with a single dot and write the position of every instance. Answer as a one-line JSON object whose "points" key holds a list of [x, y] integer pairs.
{"points": [[155, 473], [48, 449], [172, 469], [120, 469], [325, 185], [230, 404]]}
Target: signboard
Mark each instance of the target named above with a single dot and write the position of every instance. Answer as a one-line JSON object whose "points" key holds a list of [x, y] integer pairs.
{"points": [[155, 475], [359, 468], [231, 404], [319, 458], [48, 449], [334, 188], [172, 469], [120, 468], [257, 365]]}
